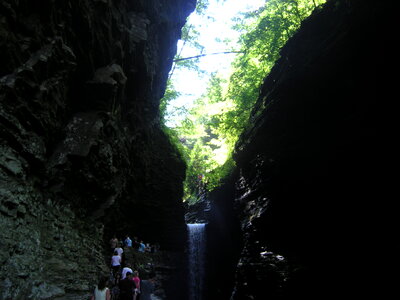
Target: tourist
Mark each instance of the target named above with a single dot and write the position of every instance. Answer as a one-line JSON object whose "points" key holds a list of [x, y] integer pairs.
{"points": [[119, 250], [101, 291], [115, 263], [147, 286], [115, 290], [142, 247], [127, 287], [136, 243], [128, 242], [148, 248], [113, 243], [126, 270], [136, 279]]}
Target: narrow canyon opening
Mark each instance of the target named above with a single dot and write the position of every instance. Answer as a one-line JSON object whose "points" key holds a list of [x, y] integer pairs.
{"points": [[265, 180]]}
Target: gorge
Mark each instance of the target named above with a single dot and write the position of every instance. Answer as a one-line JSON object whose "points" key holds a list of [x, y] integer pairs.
{"points": [[83, 155]]}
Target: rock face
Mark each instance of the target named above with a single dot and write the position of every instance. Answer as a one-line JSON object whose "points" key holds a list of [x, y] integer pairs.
{"points": [[81, 143], [308, 171]]}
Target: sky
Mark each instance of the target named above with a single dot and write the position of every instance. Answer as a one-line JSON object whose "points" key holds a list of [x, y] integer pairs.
{"points": [[215, 24]]}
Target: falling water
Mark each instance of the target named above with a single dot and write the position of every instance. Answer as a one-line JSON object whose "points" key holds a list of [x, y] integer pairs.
{"points": [[196, 260]]}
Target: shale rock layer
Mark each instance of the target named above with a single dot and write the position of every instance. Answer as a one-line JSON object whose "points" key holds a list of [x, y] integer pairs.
{"points": [[81, 143], [308, 175]]}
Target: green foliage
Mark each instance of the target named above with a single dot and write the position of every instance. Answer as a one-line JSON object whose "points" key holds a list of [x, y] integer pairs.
{"points": [[261, 42], [170, 94], [208, 134], [208, 148]]}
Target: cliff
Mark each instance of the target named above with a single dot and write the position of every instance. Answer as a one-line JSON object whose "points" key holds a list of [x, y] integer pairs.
{"points": [[82, 152], [307, 188]]}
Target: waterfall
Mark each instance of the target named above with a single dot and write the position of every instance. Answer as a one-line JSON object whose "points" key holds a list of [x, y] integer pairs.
{"points": [[196, 253]]}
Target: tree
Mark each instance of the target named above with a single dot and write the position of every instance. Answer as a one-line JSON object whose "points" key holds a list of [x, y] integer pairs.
{"points": [[211, 128], [261, 42]]}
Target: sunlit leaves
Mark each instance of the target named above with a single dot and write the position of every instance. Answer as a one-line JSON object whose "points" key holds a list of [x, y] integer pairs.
{"points": [[261, 42], [208, 134]]}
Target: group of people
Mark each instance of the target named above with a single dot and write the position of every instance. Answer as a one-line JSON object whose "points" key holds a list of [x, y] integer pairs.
{"points": [[124, 284], [129, 287], [140, 246]]}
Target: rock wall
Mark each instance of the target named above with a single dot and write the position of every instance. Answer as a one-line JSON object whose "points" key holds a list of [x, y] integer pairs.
{"points": [[308, 180], [82, 152]]}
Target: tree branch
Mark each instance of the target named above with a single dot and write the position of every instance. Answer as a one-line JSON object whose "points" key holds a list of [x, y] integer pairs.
{"points": [[201, 55]]}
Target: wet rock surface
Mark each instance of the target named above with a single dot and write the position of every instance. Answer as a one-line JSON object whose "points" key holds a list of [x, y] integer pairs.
{"points": [[82, 152], [198, 212]]}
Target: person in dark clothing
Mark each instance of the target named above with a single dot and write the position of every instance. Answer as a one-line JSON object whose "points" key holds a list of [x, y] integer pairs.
{"points": [[136, 243], [127, 287], [147, 286]]}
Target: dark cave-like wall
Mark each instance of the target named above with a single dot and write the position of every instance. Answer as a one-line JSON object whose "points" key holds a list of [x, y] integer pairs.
{"points": [[82, 152], [309, 172]]}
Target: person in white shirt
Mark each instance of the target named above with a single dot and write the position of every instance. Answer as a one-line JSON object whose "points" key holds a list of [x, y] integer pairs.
{"points": [[115, 263], [119, 250], [124, 271], [101, 292]]}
